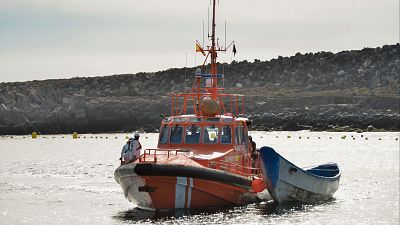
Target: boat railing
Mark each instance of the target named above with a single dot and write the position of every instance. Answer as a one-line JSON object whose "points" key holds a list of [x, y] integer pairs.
{"points": [[245, 169], [235, 168], [152, 154]]}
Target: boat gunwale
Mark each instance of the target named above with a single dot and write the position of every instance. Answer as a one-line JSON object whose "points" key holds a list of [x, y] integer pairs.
{"points": [[337, 176]]}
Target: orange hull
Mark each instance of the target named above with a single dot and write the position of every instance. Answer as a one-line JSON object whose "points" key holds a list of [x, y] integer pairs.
{"points": [[172, 192]]}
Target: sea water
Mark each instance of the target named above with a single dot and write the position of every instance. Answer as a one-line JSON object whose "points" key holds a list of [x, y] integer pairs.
{"points": [[55, 179]]}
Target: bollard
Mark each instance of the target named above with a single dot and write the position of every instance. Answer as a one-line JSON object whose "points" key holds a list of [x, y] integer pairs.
{"points": [[34, 135], [74, 135]]}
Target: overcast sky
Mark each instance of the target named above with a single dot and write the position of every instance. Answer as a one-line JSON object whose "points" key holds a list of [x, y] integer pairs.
{"points": [[42, 39]]}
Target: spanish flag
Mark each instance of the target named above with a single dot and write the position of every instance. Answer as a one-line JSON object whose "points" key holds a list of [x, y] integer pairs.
{"points": [[199, 48]]}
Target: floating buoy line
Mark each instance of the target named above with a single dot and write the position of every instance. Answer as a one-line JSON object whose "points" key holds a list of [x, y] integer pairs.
{"points": [[75, 135]]}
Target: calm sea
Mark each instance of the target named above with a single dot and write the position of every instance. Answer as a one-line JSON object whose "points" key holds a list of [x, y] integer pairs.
{"points": [[55, 179]]}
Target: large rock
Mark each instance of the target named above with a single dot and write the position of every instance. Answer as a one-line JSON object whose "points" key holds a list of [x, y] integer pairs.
{"points": [[352, 89]]}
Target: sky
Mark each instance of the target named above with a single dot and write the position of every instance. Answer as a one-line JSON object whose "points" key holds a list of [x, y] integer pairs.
{"points": [[50, 39]]}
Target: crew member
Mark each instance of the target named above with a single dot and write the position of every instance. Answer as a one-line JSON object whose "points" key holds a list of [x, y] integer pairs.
{"points": [[131, 150], [136, 147], [253, 151], [126, 153]]}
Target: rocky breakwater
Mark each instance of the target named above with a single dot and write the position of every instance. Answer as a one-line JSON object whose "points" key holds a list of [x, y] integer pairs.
{"points": [[348, 90]]}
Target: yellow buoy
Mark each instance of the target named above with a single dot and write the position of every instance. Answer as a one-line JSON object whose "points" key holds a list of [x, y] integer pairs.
{"points": [[34, 135], [74, 135], [343, 137], [288, 136]]}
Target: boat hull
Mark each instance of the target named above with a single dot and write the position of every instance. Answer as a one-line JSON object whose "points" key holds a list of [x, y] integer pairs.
{"points": [[165, 187], [287, 182]]}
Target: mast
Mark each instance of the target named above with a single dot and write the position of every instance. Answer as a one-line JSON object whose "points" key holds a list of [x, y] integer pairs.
{"points": [[214, 89], [208, 100]]}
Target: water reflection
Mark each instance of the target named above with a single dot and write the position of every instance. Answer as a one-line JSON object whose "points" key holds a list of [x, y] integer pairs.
{"points": [[140, 215], [265, 210]]}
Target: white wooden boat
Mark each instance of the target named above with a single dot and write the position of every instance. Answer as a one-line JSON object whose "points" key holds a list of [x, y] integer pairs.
{"points": [[287, 182]]}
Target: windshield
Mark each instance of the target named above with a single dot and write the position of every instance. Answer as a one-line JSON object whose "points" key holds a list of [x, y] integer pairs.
{"points": [[210, 135]]}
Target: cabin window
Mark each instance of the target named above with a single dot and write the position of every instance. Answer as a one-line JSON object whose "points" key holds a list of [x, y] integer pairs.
{"points": [[228, 119], [213, 119], [226, 135], [240, 135], [210, 135], [193, 134], [164, 135], [195, 119], [176, 134], [179, 119]]}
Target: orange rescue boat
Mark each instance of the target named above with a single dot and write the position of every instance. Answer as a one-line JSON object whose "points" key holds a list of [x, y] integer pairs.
{"points": [[202, 158]]}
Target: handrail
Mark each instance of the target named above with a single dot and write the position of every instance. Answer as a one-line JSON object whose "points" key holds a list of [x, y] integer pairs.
{"points": [[237, 168], [168, 152], [150, 155]]}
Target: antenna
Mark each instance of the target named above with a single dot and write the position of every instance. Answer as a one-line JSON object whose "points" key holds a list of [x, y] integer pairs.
{"points": [[208, 22], [225, 34], [203, 34], [185, 72]]}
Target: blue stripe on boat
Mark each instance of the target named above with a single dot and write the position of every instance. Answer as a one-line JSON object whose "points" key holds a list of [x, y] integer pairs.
{"points": [[272, 168]]}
